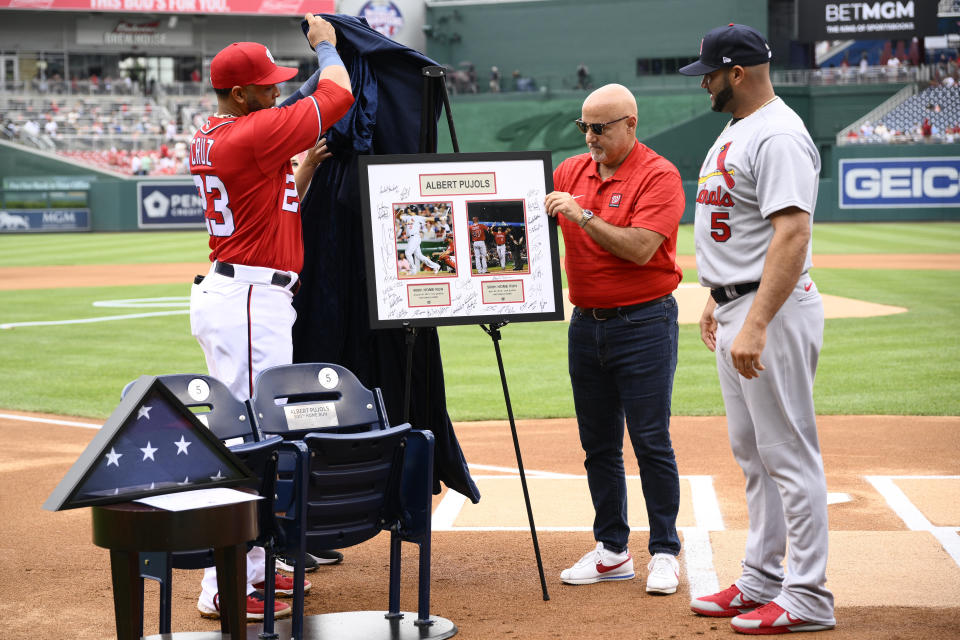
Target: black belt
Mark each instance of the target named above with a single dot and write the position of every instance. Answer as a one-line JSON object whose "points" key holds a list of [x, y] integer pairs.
{"points": [[279, 278], [732, 292], [601, 313]]}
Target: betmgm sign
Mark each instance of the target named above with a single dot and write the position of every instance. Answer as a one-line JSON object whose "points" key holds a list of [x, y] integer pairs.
{"points": [[169, 205], [866, 20], [888, 183]]}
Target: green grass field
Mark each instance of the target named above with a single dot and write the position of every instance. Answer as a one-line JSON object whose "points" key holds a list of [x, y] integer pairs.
{"points": [[905, 364]]}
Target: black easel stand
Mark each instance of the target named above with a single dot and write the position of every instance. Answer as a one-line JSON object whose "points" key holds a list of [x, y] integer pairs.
{"points": [[494, 332], [410, 339], [434, 83]]}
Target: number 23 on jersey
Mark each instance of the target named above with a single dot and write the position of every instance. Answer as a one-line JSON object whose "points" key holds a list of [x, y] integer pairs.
{"points": [[217, 210]]}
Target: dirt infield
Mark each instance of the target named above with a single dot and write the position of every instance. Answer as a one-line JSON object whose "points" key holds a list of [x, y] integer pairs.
{"points": [[890, 582]]}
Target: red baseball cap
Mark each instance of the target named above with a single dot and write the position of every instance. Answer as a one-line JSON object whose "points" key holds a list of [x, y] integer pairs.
{"points": [[243, 63]]}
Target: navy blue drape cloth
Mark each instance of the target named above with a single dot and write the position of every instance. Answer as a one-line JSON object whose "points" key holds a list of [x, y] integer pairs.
{"points": [[332, 313]]}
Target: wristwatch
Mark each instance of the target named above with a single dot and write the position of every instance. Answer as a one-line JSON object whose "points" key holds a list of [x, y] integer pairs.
{"points": [[585, 217]]}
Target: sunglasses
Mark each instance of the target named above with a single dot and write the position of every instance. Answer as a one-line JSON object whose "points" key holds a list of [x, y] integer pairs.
{"points": [[596, 127]]}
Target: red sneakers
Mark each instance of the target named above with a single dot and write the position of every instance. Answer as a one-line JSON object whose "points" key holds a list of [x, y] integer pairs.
{"points": [[283, 586], [725, 604], [772, 618], [255, 607]]}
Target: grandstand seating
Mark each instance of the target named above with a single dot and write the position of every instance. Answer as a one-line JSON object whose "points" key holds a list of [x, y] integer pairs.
{"points": [[903, 121], [107, 130]]}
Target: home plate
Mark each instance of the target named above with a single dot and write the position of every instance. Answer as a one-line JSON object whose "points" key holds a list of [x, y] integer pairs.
{"points": [[838, 498]]}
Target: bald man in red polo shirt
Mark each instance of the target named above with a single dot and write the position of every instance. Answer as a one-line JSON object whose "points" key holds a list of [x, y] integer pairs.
{"points": [[619, 206]]}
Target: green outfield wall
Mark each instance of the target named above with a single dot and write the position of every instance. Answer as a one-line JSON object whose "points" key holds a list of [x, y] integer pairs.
{"points": [[547, 41]]}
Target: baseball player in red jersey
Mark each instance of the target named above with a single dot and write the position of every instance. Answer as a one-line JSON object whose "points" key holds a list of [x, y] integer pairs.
{"points": [[478, 236], [500, 241], [241, 311]]}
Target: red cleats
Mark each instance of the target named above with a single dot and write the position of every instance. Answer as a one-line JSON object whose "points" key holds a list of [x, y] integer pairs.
{"points": [[771, 618], [283, 586], [725, 604]]}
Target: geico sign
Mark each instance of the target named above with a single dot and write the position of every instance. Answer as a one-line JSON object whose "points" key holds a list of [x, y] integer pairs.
{"points": [[902, 182], [895, 182], [857, 11]]}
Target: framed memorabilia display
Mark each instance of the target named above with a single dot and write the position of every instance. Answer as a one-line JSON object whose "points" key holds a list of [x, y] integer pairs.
{"points": [[459, 239]]}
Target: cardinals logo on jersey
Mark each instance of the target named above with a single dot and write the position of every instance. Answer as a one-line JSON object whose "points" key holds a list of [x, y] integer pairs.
{"points": [[721, 167]]}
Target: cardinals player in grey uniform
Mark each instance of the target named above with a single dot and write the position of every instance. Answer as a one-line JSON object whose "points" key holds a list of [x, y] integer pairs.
{"points": [[756, 195], [413, 225]]}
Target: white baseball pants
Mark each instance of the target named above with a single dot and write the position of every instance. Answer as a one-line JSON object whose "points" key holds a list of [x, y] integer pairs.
{"points": [[480, 255], [244, 325], [415, 255]]}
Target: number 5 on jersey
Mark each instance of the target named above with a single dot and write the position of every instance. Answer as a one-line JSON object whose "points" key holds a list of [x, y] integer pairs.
{"points": [[719, 229], [217, 211]]}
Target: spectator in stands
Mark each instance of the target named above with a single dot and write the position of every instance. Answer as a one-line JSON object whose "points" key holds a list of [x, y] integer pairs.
{"points": [[881, 131], [195, 76], [522, 82], [926, 129], [10, 128], [171, 130], [31, 129], [50, 128], [494, 79], [864, 63], [135, 167], [146, 164], [866, 129], [583, 77]]}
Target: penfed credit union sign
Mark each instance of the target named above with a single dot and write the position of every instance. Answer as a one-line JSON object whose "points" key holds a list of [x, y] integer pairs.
{"points": [[898, 19]]}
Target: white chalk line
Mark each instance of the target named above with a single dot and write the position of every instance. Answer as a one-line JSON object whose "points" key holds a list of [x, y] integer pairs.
{"points": [[912, 516], [698, 551], [128, 303], [66, 423]]}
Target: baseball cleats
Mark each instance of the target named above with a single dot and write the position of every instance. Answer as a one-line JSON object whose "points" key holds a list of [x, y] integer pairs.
{"points": [[311, 562], [283, 586], [436, 269], [599, 565], [255, 607], [664, 574], [772, 618], [725, 604]]}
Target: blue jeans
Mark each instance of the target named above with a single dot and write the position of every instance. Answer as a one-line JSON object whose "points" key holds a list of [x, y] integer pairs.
{"points": [[620, 368]]}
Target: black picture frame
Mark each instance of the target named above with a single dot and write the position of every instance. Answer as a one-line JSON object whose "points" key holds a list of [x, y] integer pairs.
{"points": [[507, 187]]}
